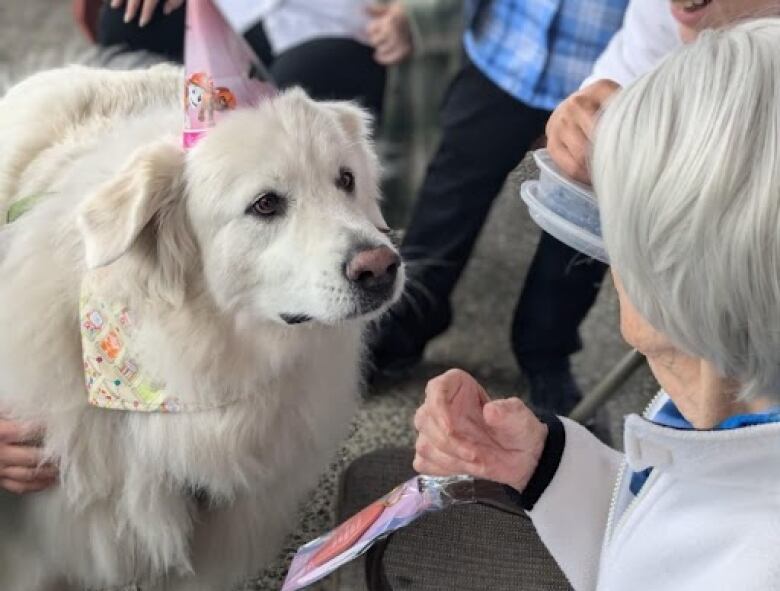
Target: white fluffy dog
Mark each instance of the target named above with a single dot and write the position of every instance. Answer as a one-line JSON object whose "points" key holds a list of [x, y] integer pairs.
{"points": [[250, 265]]}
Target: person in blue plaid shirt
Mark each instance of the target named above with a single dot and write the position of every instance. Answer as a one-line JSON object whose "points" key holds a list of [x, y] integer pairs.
{"points": [[522, 58]]}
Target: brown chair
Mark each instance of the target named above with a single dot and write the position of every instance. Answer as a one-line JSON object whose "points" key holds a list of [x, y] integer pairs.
{"points": [[464, 548]]}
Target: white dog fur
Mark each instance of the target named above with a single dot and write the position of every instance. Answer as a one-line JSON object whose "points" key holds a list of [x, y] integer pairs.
{"points": [[208, 285]]}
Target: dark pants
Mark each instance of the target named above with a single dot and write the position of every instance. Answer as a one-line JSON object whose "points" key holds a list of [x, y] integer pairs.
{"points": [[485, 133], [327, 68]]}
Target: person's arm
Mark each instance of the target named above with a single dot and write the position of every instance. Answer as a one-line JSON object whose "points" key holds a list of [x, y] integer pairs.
{"points": [[649, 33], [399, 28], [570, 128], [556, 470], [571, 513]]}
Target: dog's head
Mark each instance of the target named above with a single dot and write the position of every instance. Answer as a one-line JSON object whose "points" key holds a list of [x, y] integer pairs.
{"points": [[277, 209]]}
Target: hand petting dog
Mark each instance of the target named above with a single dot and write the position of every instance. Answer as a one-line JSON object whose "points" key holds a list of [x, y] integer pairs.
{"points": [[21, 462]]}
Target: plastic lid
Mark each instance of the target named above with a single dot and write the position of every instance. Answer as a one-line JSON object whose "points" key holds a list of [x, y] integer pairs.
{"points": [[583, 239], [546, 165]]}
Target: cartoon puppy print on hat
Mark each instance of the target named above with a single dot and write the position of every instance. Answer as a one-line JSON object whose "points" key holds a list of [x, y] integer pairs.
{"points": [[200, 94]]}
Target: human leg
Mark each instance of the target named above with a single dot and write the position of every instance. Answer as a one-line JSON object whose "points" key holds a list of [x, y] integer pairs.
{"points": [[333, 68], [164, 34], [559, 290], [485, 133]]}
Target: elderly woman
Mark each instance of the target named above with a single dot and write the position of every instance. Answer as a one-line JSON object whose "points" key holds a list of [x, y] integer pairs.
{"points": [[687, 172]]}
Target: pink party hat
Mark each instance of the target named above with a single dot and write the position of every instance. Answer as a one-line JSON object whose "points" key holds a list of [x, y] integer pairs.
{"points": [[217, 65]]}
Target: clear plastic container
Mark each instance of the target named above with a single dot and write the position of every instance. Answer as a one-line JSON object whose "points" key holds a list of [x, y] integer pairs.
{"points": [[564, 208]]}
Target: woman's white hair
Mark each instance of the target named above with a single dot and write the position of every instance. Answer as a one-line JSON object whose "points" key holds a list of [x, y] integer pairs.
{"points": [[687, 171]]}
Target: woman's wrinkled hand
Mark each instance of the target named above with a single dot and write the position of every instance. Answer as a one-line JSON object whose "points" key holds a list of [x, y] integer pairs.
{"points": [[461, 431], [21, 462], [570, 128], [389, 32], [145, 7]]}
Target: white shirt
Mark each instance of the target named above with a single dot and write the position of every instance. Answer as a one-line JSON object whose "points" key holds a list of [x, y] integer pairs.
{"points": [[291, 22], [649, 33]]}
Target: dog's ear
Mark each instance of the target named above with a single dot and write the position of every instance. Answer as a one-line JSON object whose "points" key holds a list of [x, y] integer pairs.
{"points": [[355, 120], [113, 217]]}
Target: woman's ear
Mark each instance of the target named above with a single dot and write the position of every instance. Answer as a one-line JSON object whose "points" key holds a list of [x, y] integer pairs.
{"points": [[113, 217]]}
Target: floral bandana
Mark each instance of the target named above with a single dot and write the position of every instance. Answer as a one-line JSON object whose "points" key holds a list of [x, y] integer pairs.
{"points": [[113, 378]]}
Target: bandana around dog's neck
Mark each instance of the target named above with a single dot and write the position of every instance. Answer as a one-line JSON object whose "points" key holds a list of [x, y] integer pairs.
{"points": [[114, 378], [113, 374]]}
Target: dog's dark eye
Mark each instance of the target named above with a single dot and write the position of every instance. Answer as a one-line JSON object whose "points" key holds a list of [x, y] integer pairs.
{"points": [[268, 204], [346, 180]]}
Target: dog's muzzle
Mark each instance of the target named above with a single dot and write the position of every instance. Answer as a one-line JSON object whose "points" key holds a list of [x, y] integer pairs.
{"points": [[372, 272]]}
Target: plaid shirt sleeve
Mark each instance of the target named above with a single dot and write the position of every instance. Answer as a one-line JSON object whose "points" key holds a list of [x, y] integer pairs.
{"points": [[540, 51]]}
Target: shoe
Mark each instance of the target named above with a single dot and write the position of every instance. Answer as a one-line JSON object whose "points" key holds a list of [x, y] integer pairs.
{"points": [[396, 342], [554, 391]]}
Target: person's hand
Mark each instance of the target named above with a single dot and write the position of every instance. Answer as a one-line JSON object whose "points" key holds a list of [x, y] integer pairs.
{"points": [[20, 459], [570, 128], [461, 431], [389, 32], [146, 8]]}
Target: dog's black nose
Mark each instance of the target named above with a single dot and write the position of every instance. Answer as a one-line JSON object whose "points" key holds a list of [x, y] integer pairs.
{"points": [[373, 268]]}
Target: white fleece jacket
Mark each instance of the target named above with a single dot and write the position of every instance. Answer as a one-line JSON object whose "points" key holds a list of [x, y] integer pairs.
{"points": [[707, 519]]}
